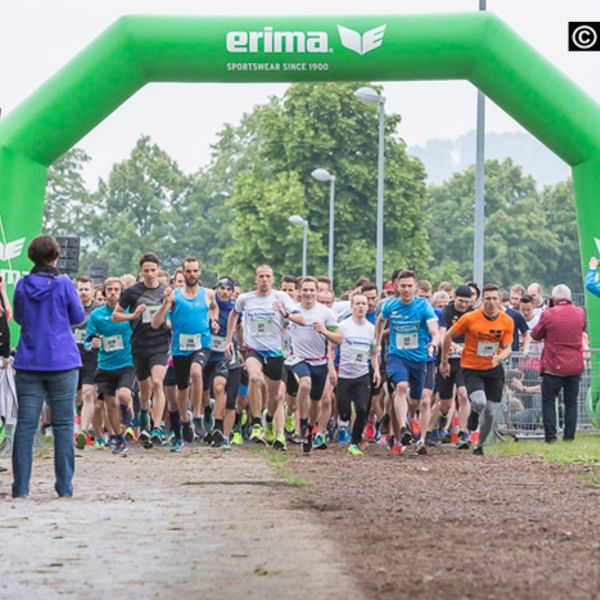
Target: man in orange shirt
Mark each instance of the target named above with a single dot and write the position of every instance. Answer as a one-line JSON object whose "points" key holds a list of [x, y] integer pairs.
{"points": [[488, 335]]}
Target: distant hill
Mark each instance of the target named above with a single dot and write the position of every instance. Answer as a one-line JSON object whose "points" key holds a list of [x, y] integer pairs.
{"points": [[442, 157]]}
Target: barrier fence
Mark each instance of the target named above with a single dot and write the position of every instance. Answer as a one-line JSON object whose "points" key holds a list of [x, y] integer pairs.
{"points": [[521, 415]]}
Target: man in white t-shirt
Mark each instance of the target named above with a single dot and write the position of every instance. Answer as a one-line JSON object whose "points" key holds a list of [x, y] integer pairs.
{"points": [[264, 311]]}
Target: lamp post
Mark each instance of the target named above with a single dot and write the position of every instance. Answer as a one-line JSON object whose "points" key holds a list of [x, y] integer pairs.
{"points": [[370, 96], [298, 220], [325, 175]]}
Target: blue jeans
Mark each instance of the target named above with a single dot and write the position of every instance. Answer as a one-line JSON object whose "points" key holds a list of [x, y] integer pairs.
{"points": [[58, 389]]}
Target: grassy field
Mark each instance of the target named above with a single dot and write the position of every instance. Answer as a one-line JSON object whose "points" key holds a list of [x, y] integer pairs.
{"points": [[584, 450]]}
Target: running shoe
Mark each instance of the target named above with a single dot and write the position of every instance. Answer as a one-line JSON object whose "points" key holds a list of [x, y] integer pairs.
{"points": [[370, 432], [290, 424], [434, 437], [406, 437], [445, 436], [80, 440], [343, 435], [464, 440], [99, 443], [217, 439], [177, 445], [112, 441], [130, 434], [332, 430], [279, 443], [390, 440], [478, 451], [236, 438], [199, 429], [121, 448], [420, 448], [354, 450], [256, 435], [156, 435], [415, 428], [187, 433], [398, 449], [320, 442], [270, 432], [307, 444], [144, 437]]}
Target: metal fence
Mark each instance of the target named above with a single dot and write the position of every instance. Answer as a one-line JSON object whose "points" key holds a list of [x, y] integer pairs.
{"points": [[521, 415]]}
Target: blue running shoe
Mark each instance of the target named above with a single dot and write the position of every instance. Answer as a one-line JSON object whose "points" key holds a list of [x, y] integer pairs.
{"points": [[177, 445], [343, 435]]}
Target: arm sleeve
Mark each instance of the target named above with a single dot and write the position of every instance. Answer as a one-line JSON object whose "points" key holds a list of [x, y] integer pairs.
{"points": [[18, 304], [75, 310], [591, 283]]}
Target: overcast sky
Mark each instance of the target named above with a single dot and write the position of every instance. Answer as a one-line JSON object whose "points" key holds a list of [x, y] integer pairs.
{"points": [[37, 37]]}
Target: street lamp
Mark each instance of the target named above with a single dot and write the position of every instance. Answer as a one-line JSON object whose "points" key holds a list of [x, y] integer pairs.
{"points": [[370, 96], [298, 220], [325, 175]]}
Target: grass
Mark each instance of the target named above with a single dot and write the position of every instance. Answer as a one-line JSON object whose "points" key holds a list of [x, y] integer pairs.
{"points": [[280, 461], [584, 450]]}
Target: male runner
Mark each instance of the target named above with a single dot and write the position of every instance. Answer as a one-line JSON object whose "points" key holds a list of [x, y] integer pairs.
{"points": [[89, 360], [193, 314], [412, 322], [115, 376], [264, 312], [150, 346], [307, 365], [488, 333]]}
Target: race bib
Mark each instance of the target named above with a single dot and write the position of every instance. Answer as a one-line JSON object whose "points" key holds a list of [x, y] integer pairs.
{"points": [[293, 360], [359, 357], [261, 326], [218, 343], [487, 348], [190, 342], [407, 341], [149, 313], [79, 335], [112, 343]]}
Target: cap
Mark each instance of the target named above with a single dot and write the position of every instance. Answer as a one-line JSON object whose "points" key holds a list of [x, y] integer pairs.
{"points": [[463, 291], [226, 282], [388, 286]]}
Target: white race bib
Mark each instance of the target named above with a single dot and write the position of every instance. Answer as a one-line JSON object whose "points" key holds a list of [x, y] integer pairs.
{"points": [[112, 343], [149, 313], [190, 342], [487, 348], [218, 343], [407, 341], [293, 360], [79, 335], [261, 326], [359, 357]]}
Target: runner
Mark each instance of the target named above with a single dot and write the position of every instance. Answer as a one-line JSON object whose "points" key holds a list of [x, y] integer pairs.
{"points": [[89, 360], [445, 384], [115, 376], [354, 383], [264, 312], [412, 322], [193, 313], [150, 346], [488, 334], [307, 366]]}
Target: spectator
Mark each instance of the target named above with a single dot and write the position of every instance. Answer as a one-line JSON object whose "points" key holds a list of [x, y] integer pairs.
{"points": [[5, 318], [537, 295], [47, 361], [561, 328], [446, 286], [517, 291], [440, 300]]}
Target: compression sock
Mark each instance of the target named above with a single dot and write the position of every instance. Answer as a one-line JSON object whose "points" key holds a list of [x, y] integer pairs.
{"points": [[219, 425], [175, 423], [487, 421]]}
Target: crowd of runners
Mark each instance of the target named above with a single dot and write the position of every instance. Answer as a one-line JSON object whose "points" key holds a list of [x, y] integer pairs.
{"points": [[169, 362]]}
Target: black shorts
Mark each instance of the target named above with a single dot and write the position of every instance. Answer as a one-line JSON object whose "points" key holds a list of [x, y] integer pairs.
{"points": [[212, 369], [272, 365], [429, 375], [144, 361], [87, 373], [445, 385], [109, 382], [491, 381], [318, 378], [170, 377], [183, 364]]}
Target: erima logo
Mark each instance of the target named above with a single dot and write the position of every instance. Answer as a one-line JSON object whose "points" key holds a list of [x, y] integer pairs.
{"points": [[12, 249], [312, 42]]}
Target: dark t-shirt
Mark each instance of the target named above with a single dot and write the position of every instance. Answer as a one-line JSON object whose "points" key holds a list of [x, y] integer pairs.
{"points": [[520, 326], [450, 316], [145, 338], [79, 330]]}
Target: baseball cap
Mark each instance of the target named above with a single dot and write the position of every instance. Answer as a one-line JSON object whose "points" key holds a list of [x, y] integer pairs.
{"points": [[388, 286], [463, 291]]}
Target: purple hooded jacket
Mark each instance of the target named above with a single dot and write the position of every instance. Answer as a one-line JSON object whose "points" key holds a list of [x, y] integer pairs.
{"points": [[46, 306]]}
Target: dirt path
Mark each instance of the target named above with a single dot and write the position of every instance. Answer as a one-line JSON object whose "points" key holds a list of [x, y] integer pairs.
{"points": [[154, 524]]}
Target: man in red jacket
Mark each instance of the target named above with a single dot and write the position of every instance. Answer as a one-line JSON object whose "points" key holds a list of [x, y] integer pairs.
{"points": [[561, 329]]}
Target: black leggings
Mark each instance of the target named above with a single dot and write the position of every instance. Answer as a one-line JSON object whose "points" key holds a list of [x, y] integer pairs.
{"points": [[358, 391]]}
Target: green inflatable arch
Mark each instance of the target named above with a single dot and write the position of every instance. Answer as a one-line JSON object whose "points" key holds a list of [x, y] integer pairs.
{"points": [[137, 50]]}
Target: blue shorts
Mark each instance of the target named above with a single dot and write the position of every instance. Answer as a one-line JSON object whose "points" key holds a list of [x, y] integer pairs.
{"points": [[401, 369]]}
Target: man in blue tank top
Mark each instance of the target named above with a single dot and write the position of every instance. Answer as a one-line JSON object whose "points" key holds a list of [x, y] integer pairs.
{"points": [[193, 314]]}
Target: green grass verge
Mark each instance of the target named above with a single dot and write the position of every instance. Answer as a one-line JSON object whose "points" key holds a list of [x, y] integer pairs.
{"points": [[584, 450], [280, 461]]}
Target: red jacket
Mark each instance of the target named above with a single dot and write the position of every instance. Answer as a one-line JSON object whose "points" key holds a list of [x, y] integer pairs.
{"points": [[561, 328]]}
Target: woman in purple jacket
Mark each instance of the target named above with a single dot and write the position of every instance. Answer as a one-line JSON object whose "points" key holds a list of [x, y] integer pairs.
{"points": [[46, 306]]}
